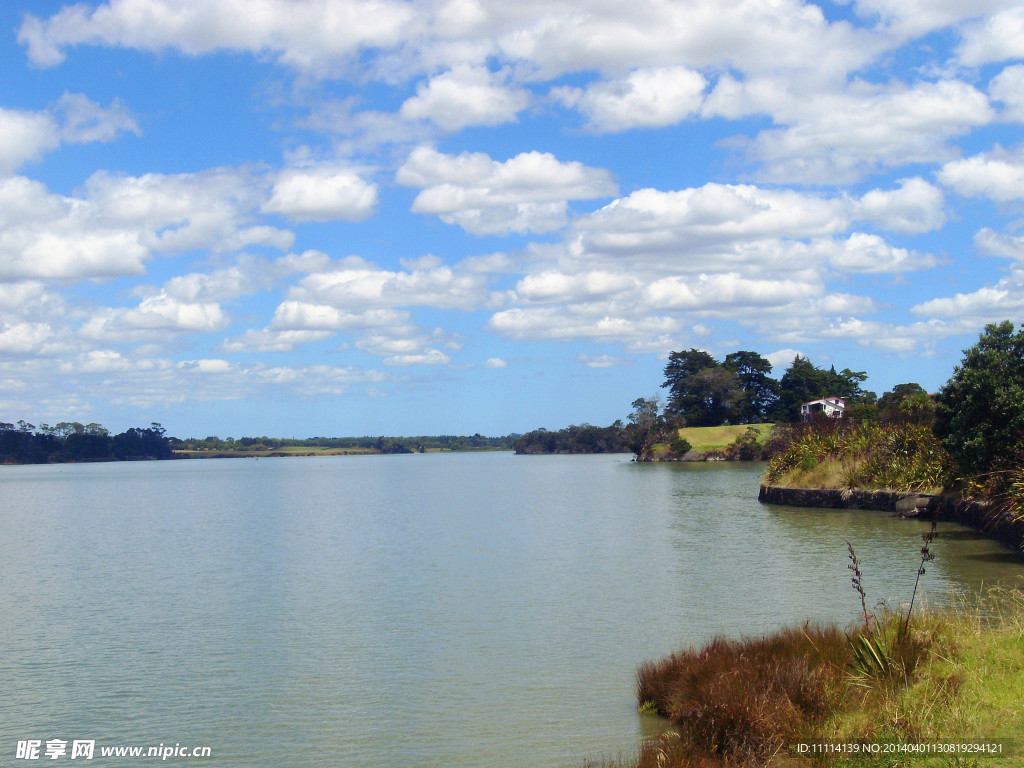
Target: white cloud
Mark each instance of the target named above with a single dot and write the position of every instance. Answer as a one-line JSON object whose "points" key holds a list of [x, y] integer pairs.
{"points": [[559, 287], [157, 317], [302, 316], [322, 195], [207, 365], [870, 254], [362, 286], [25, 137], [646, 98], [118, 223], [83, 121], [397, 39], [306, 34], [726, 292], [495, 362], [24, 338], [995, 37], [247, 277], [997, 175], [650, 221], [985, 305], [1008, 88], [836, 136], [577, 323], [270, 340], [992, 243], [529, 192], [427, 357], [466, 96], [782, 359], [915, 207], [602, 361]]}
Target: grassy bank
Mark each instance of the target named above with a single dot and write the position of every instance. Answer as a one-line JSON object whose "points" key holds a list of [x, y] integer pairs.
{"points": [[941, 678]]}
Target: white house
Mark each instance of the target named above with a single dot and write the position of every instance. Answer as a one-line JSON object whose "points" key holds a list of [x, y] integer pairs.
{"points": [[832, 407]]}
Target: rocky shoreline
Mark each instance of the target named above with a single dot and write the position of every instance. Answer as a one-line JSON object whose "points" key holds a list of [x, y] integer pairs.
{"points": [[974, 514]]}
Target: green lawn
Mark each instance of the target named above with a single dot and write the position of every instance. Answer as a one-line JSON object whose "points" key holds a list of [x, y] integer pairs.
{"points": [[719, 438]]}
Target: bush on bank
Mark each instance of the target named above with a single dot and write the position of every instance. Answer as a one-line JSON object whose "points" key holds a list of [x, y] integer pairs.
{"points": [[870, 455]]}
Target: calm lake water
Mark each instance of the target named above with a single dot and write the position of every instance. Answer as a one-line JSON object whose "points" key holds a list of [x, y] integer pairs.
{"points": [[447, 610]]}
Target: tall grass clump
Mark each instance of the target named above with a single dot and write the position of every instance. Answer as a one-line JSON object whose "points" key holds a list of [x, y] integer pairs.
{"points": [[843, 453], [745, 700]]}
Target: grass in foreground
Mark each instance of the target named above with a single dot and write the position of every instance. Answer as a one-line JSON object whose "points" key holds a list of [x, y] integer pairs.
{"points": [[941, 678]]}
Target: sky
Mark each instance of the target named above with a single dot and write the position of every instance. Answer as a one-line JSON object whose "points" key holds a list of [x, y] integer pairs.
{"points": [[357, 217]]}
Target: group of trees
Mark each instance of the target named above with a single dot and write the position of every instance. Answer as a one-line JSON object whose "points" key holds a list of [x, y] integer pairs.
{"points": [[703, 392], [979, 413], [24, 443], [581, 438]]}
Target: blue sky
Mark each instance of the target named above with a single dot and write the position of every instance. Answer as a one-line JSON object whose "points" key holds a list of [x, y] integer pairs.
{"points": [[339, 217]]}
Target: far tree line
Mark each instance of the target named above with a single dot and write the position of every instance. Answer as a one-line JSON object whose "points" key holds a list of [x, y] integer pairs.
{"points": [[24, 443]]}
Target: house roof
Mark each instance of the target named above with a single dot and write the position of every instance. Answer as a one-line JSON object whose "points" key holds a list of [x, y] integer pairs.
{"points": [[830, 400]]}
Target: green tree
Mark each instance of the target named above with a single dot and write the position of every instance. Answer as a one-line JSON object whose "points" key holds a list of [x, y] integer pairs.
{"points": [[847, 385], [803, 381], [979, 413], [702, 393], [645, 427], [907, 402], [761, 392]]}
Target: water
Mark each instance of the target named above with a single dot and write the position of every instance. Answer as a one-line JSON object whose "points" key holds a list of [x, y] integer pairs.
{"points": [[447, 610]]}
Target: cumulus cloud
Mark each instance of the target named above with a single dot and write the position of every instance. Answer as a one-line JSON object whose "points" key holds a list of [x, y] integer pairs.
{"points": [[24, 338], [992, 243], [495, 362], [270, 340], [25, 137], [528, 193], [119, 222], [247, 277], [155, 318], [564, 324], [839, 136], [870, 254], [726, 292], [303, 316], [782, 359], [466, 96], [305, 34], [362, 285], [73, 119], [997, 175], [650, 221], [322, 195], [547, 39], [995, 37], [602, 361], [915, 207], [1008, 87], [985, 305], [646, 98], [559, 287]]}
